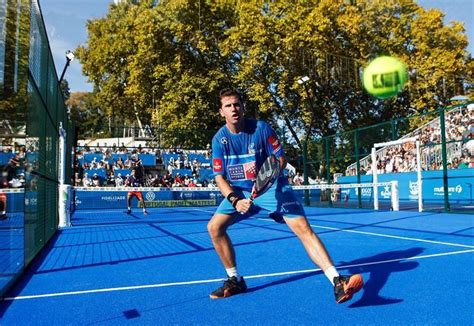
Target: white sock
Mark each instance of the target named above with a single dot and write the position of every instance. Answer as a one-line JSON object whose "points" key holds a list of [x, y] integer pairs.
{"points": [[233, 272], [331, 273]]}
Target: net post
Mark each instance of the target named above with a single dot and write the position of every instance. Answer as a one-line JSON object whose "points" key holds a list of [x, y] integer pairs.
{"points": [[375, 180], [395, 196], [65, 192], [62, 154], [418, 174]]}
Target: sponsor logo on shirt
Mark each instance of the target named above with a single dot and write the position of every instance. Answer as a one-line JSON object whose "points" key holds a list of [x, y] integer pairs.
{"points": [[236, 172], [250, 171], [275, 143], [251, 148], [245, 171], [224, 140], [217, 165]]}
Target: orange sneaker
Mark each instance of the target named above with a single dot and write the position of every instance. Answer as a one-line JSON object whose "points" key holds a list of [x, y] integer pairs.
{"points": [[346, 286], [231, 287]]}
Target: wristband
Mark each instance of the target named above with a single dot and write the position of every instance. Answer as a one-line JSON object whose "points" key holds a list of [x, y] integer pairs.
{"points": [[233, 198]]}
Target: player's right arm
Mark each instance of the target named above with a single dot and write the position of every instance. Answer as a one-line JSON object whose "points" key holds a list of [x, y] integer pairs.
{"points": [[242, 205]]}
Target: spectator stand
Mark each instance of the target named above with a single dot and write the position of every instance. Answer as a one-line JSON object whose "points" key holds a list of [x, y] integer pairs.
{"points": [[458, 121]]}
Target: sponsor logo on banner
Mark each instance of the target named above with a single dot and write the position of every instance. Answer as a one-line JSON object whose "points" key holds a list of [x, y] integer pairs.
{"points": [[113, 198], [150, 195], [217, 165], [365, 191], [275, 143], [439, 191], [186, 195], [413, 186], [386, 192], [182, 203]]}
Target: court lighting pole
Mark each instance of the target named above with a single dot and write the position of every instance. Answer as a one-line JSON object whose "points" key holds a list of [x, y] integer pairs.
{"points": [[302, 81], [69, 58]]}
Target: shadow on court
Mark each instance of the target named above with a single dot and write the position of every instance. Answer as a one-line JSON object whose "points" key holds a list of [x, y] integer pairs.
{"points": [[282, 281], [23, 281], [380, 273]]}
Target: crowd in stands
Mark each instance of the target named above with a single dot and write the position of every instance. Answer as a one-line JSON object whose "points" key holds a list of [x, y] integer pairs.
{"points": [[14, 162], [459, 125], [98, 166]]}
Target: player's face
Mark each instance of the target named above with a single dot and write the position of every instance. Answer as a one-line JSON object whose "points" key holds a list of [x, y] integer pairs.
{"points": [[231, 109]]}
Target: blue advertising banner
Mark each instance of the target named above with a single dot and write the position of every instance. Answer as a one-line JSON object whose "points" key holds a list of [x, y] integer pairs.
{"points": [[110, 199], [460, 185]]}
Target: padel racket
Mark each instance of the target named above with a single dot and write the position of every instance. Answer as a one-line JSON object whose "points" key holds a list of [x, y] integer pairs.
{"points": [[267, 175]]}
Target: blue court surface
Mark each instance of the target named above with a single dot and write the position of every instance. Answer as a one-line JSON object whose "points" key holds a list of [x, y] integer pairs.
{"points": [[114, 269]]}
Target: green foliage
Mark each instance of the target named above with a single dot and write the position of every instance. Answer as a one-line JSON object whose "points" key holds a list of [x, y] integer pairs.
{"points": [[169, 60], [87, 115]]}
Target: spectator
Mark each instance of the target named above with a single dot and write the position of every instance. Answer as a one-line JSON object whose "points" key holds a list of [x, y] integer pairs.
{"points": [[186, 180], [120, 163], [208, 151], [298, 179], [86, 180], [95, 180], [18, 181], [139, 170], [178, 179], [119, 182], [77, 179], [13, 164], [94, 164], [464, 163]]}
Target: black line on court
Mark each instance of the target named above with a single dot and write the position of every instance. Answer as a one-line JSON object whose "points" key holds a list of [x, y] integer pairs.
{"points": [[177, 237]]}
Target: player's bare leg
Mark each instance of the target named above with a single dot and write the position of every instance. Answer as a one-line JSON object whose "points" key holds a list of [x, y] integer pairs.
{"points": [[344, 286], [311, 242], [217, 228]]}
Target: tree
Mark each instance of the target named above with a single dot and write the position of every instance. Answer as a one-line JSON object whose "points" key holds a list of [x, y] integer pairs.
{"points": [[161, 63], [165, 62], [87, 115]]}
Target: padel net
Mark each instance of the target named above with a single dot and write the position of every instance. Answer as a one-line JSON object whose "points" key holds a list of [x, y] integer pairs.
{"points": [[105, 204]]}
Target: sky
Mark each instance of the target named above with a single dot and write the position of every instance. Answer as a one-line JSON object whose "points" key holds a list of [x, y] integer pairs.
{"points": [[66, 20]]}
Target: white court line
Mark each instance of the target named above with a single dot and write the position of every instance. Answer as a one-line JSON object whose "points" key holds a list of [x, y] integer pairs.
{"points": [[394, 236], [384, 235], [149, 286]]}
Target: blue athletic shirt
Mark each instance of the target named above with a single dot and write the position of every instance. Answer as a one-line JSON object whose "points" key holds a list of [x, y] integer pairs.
{"points": [[238, 157]]}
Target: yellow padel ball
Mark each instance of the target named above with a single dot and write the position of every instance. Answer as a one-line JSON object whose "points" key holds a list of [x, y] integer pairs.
{"points": [[385, 76]]}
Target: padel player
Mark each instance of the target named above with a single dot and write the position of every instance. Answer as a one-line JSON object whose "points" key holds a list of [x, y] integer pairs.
{"points": [[133, 181], [238, 150]]}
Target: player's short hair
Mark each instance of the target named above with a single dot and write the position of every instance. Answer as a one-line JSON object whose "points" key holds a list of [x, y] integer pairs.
{"points": [[229, 92]]}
